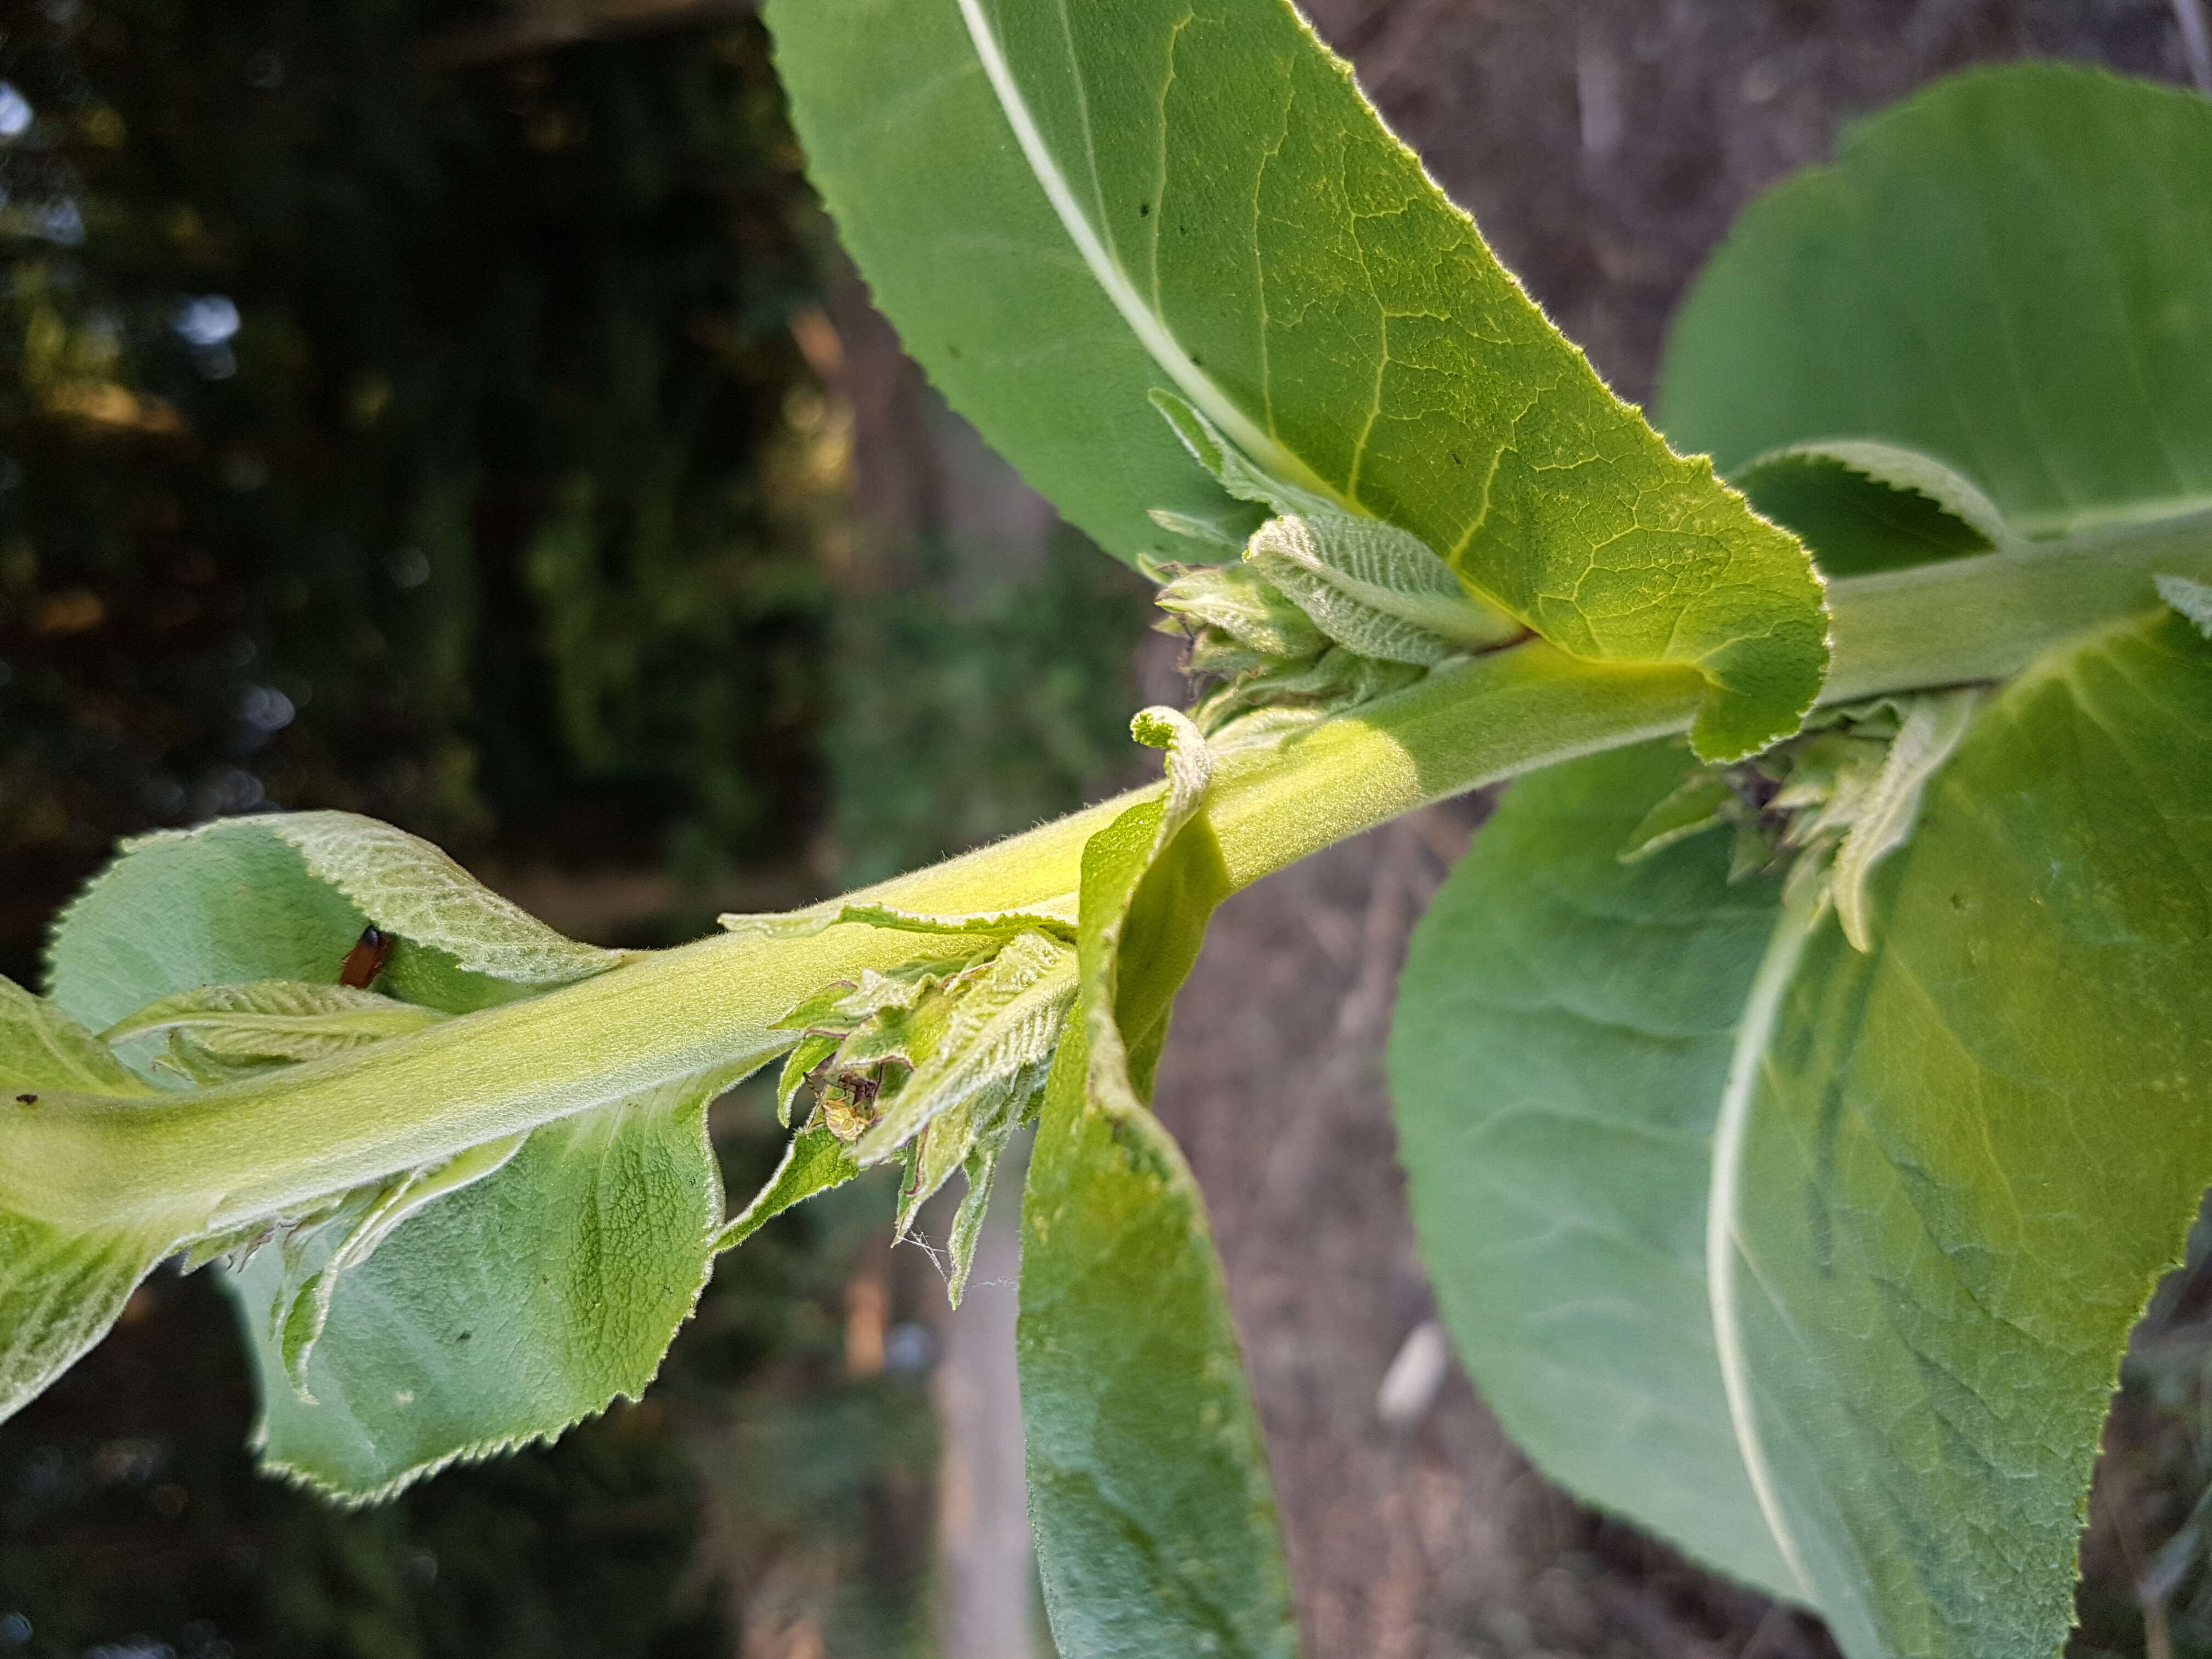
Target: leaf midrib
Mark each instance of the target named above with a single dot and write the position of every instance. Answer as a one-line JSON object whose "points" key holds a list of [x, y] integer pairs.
{"points": [[1150, 327], [1723, 1207]]}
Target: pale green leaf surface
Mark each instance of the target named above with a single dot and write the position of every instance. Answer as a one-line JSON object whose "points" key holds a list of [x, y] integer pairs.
{"points": [[815, 1161], [1935, 724], [982, 1172], [279, 1006], [937, 1151], [60, 1289], [2011, 273], [1148, 1483], [1563, 1027], [412, 889], [1700, 802], [505, 1311], [302, 1306], [1252, 612], [176, 912], [803, 924], [1871, 1227], [1067, 209], [285, 896], [1219, 536], [42, 1047], [1372, 588]]}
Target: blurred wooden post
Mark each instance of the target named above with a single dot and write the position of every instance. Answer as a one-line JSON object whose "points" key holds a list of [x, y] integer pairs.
{"points": [[985, 1574]]}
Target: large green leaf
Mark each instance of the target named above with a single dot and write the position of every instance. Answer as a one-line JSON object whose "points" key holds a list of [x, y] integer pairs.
{"points": [[502, 1314], [2012, 272], [1148, 1479], [568, 1264], [1065, 209], [1821, 1261], [1564, 1022]]}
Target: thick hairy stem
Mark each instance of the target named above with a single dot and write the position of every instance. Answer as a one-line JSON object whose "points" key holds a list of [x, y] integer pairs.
{"points": [[228, 1155]]}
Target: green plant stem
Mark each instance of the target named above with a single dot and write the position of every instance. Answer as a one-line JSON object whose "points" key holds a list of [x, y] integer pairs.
{"points": [[1987, 617], [226, 1155]]}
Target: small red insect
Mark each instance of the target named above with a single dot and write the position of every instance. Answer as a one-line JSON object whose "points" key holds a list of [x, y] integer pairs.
{"points": [[366, 960]]}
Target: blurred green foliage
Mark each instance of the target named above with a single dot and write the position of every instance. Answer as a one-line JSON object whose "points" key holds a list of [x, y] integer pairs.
{"points": [[392, 422], [412, 439], [967, 709]]}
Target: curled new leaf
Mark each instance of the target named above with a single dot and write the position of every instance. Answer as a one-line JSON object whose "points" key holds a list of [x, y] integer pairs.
{"points": [[998, 1034], [1238, 620], [1368, 586], [937, 1062], [1933, 725], [1828, 806], [220, 1032]]}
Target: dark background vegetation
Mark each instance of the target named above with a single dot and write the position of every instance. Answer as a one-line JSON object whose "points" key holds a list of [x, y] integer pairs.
{"points": [[459, 413]]}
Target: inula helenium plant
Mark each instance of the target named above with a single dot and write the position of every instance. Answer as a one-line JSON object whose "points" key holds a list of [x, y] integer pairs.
{"points": [[1803, 1080]]}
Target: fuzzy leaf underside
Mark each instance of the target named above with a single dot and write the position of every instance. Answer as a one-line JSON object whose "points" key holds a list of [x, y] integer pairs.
{"points": [[570, 1267], [814, 1162], [60, 1288], [285, 896], [221, 1032], [1964, 1156], [42, 1047], [503, 1313], [1148, 1482], [411, 887], [1068, 209], [1368, 586]]}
